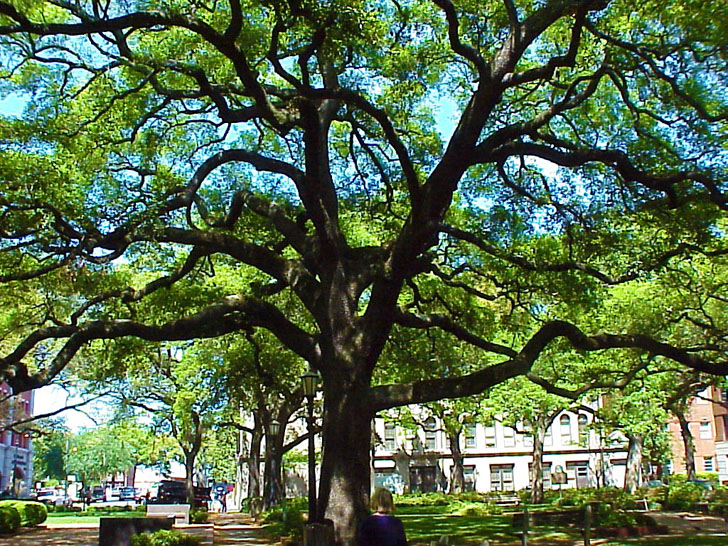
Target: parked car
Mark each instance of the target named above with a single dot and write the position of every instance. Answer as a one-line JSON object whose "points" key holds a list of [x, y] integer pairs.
{"points": [[53, 497], [175, 492], [128, 494], [703, 484], [97, 494]]}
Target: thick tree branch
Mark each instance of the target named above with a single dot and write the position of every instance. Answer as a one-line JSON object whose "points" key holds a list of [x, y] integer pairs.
{"points": [[389, 396], [232, 314]]}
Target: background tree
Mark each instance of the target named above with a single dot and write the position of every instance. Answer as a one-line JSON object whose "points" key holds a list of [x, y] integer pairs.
{"points": [[304, 147], [51, 444], [98, 454], [528, 409]]}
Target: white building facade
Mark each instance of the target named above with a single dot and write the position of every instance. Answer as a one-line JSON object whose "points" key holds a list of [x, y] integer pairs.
{"points": [[497, 457]]}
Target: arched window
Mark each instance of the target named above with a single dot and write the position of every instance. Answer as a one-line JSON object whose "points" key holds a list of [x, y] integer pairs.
{"points": [[565, 430], [583, 431]]}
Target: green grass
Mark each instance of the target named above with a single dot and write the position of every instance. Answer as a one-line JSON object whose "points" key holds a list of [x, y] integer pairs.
{"points": [[669, 541], [90, 518], [424, 524]]}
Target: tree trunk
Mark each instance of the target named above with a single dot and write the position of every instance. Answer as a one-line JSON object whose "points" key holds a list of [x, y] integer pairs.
{"points": [[345, 475], [633, 472], [539, 431], [273, 474], [688, 444], [253, 462], [190, 456], [457, 474]]}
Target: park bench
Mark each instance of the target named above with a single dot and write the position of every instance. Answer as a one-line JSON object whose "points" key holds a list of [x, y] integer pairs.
{"points": [[507, 500], [180, 512], [523, 525]]}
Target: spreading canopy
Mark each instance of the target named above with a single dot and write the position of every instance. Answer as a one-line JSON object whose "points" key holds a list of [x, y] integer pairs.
{"points": [[357, 173]]}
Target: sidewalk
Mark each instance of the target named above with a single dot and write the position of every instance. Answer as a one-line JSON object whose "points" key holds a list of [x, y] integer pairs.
{"points": [[225, 530]]}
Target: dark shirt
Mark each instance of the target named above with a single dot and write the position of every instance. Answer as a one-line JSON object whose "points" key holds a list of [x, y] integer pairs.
{"points": [[382, 530]]}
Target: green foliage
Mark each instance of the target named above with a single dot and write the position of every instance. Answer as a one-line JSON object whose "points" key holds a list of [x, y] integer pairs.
{"points": [[99, 452], [200, 515], [422, 499], [9, 519], [614, 497], [50, 449], [164, 538], [286, 518], [606, 516], [414, 192], [31, 513], [464, 508], [684, 495], [108, 510]]}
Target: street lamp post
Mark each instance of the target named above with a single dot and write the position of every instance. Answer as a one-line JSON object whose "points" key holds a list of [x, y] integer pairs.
{"points": [[273, 430], [309, 382]]}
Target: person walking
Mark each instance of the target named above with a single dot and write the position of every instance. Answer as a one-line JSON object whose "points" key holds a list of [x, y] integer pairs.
{"points": [[223, 501], [382, 528]]}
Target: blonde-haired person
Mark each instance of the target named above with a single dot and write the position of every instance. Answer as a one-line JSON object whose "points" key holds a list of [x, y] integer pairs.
{"points": [[382, 528]]}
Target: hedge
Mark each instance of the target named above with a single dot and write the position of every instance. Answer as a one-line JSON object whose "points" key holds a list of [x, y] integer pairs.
{"points": [[9, 519], [31, 512], [164, 538]]}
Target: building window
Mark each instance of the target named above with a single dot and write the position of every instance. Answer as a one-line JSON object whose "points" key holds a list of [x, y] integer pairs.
{"points": [[705, 432], [501, 477], [565, 430], [469, 476], [580, 473], [583, 430], [528, 440], [390, 437], [703, 396], [430, 434], [708, 464], [548, 438], [490, 437], [470, 436], [509, 437]]}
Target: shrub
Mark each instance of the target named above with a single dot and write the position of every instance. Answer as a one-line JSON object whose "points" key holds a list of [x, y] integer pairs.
{"points": [[9, 519], [606, 516], [617, 498], [31, 513], [480, 509], [164, 538], [422, 499], [683, 495], [286, 518], [199, 515]]}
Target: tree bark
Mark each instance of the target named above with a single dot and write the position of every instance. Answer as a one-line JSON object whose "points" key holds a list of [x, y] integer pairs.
{"points": [[688, 444], [190, 456], [539, 431], [253, 462], [273, 492], [457, 474], [345, 472], [633, 474]]}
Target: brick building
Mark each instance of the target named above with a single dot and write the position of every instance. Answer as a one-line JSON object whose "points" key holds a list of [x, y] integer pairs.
{"points": [[708, 423], [16, 449]]}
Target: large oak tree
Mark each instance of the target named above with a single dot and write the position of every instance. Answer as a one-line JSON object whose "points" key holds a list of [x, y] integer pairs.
{"points": [[367, 169]]}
